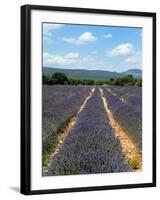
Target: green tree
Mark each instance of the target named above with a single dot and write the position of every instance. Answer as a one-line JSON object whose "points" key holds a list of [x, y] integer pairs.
{"points": [[45, 79], [138, 83], [60, 78]]}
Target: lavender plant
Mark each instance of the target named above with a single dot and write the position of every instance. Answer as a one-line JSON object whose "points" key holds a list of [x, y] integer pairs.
{"points": [[127, 112], [60, 103], [91, 145]]}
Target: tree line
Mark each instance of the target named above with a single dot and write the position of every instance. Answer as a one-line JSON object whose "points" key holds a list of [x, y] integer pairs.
{"points": [[62, 79]]}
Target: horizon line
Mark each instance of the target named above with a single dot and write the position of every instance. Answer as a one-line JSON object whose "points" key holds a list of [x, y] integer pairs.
{"points": [[91, 69]]}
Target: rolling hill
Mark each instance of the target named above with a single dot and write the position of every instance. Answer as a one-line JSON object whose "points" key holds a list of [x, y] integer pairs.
{"points": [[91, 74], [137, 73]]}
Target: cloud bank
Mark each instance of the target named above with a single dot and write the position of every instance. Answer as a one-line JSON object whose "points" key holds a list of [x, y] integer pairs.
{"points": [[82, 39], [121, 50]]}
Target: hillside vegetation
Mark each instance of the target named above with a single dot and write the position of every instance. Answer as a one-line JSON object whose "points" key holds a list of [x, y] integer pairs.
{"points": [[62, 79], [92, 74]]}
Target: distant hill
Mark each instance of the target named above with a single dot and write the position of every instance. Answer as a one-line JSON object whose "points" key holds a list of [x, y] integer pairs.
{"points": [[87, 74], [137, 73]]}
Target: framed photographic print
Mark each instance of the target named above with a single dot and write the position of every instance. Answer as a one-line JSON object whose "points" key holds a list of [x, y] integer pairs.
{"points": [[88, 99]]}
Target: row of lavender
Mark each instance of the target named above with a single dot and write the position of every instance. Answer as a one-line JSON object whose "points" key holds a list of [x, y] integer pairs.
{"points": [[126, 105], [131, 95], [91, 146], [60, 103]]}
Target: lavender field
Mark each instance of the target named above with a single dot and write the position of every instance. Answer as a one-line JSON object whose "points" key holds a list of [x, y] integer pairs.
{"points": [[78, 136], [60, 104], [126, 106]]}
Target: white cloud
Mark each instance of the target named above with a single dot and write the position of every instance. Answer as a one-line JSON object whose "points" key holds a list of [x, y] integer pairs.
{"points": [[47, 34], [108, 36], [134, 60], [122, 50], [92, 63], [87, 37], [51, 59], [72, 55], [47, 27], [47, 39], [72, 60], [82, 39], [131, 60], [69, 40]]}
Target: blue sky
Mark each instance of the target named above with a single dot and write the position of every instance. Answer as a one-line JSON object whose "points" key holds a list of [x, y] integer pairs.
{"points": [[92, 47]]}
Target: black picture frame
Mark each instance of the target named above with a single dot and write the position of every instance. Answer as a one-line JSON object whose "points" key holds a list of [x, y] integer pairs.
{"points": [[26, 98]]}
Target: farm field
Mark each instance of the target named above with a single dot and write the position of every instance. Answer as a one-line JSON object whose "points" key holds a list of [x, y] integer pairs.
{"points": [[59, 104], [126, 106], [79, 129]]}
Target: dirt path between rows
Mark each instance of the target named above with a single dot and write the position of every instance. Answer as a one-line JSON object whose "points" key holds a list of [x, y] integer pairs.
{"points": [[129, 148], [65, 131]]}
